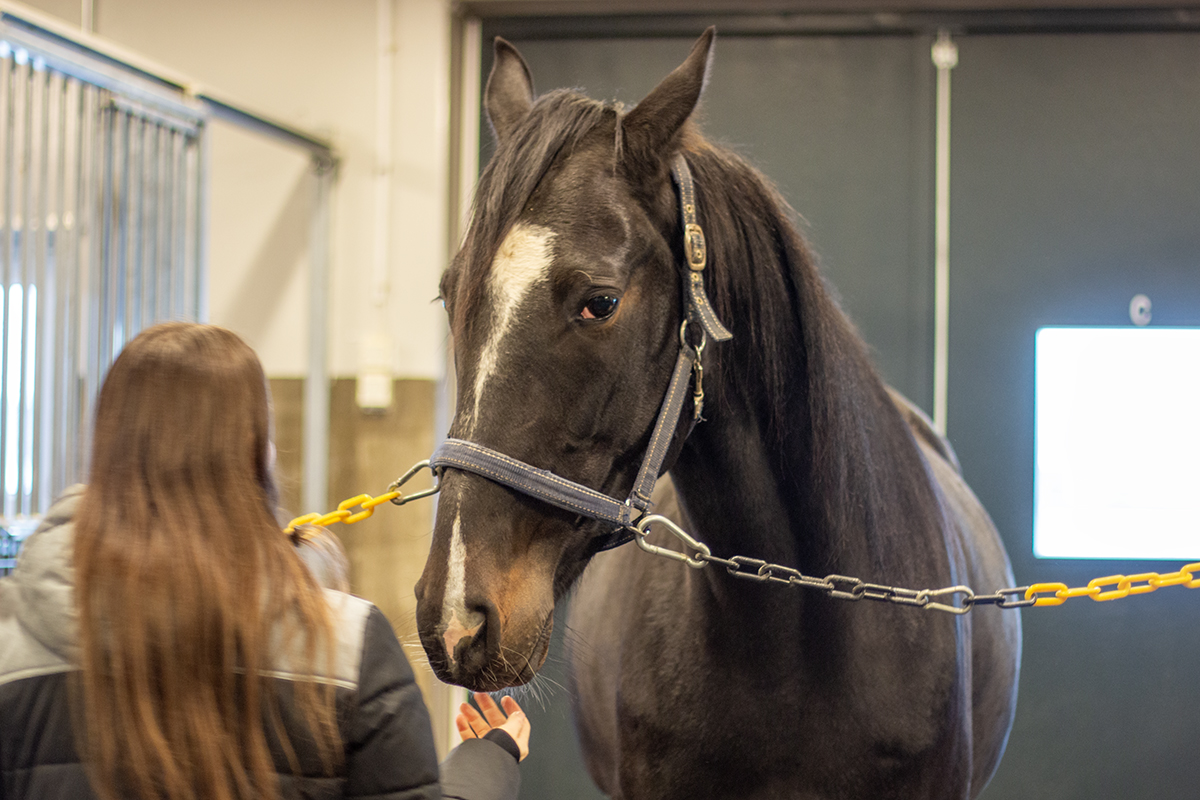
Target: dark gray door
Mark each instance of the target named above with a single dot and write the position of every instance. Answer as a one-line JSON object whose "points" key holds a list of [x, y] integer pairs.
{"points": [[1076, 184]]}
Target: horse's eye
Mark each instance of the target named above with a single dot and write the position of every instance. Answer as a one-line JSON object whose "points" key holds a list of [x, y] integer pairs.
{"points": [[601, 306]]}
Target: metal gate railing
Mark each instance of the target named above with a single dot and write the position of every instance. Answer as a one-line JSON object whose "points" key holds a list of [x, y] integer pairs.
{"points": [[101, 234]]}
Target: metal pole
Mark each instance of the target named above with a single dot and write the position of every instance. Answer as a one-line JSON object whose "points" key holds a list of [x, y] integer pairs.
{"points": [[7, 242], [203, 159], [945, 57], [316, 385]]}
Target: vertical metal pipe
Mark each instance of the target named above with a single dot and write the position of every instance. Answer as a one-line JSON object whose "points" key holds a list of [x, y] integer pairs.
{"points": [[136, 210], [163, 262], [190, 239], [11, 179], [945, 57], [118, 254], [28, 236], [41, 297], [107, 234], [150, 313], [179, 238], [167, 265], [69, 448], [55, 387], [91, 206], [16, 290], [316, 386], [201, 192]]}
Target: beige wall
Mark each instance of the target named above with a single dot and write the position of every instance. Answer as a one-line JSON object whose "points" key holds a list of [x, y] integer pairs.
{"points": [[312, 64]]}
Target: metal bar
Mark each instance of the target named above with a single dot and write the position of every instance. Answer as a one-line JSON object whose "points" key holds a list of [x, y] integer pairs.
{"points": [[29, 158], [55, 388], [137, 177], [11, 179], [40, 295], [163, 261], [14, 324], [945, 56], [200, 252], [150, 312], [107, 256], [321, 150], [73, 346], [168, 226], [118, 266], [316, 384], [190, 239], [92, 200], [179, 238]]}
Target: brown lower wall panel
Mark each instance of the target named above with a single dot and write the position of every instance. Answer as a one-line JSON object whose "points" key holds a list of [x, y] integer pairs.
{"points": [[367, 451]]}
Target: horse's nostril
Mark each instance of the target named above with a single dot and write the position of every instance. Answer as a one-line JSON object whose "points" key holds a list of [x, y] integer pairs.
{"points": [[466, 639]]}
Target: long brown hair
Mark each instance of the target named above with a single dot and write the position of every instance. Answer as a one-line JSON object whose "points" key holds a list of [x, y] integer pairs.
{"points": [[184, 580]]}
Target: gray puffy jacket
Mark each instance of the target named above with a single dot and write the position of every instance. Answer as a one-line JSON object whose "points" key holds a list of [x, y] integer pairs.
{"points": [[389, 749]]}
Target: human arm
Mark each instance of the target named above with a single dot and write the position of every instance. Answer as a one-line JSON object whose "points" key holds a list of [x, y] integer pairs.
{"points": [[484, 765], [490, 719], [389, 748]]}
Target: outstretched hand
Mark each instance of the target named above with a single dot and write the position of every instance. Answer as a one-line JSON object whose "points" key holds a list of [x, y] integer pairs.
{"points": [[511, 719]]}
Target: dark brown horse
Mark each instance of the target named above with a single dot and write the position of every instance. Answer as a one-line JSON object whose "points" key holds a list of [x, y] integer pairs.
{"points": [[565, 304]]}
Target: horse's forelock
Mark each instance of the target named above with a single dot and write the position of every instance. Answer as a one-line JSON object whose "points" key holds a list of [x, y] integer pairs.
{"points": [[558, 121]]}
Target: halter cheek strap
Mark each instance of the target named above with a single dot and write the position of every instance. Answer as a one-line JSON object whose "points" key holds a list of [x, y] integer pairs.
{"points": [[575, 497], [695, 249]]}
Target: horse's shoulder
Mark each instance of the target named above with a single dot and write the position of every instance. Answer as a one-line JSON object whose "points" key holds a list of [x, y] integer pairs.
{"points": [[922, 427]]}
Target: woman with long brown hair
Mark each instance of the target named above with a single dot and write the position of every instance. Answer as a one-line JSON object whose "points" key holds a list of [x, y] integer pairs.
{"points": [[161, 638]]}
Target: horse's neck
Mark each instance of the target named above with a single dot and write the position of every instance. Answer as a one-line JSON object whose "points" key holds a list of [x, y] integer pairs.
{"points": [[743, 491], [750, 492]]}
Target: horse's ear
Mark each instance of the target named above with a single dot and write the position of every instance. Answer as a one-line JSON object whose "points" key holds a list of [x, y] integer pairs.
{"points": [[509, 93], [652, 125]]}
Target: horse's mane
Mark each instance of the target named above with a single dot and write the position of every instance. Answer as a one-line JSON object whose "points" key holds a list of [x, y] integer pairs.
{"points": [[841, 442], [836, 429]]}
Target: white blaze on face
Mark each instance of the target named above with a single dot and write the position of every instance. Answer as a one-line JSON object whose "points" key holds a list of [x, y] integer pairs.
{"points": [[522, 262], [457, 621]]}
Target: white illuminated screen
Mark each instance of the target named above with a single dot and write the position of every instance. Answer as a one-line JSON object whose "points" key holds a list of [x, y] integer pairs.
{"points": [[1118, 443]]}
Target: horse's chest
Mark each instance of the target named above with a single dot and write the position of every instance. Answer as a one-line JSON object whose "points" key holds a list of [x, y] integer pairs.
{"points": [[845, 713]]}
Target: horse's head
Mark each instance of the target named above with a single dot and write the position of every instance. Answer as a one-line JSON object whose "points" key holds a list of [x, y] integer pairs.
{"points": [[564, 306]]}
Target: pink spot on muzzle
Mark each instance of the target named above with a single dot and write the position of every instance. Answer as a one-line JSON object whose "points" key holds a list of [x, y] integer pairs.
{"points": [[456, 631]]}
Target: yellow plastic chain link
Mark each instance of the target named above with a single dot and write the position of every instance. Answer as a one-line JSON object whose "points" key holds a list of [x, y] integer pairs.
{"points": [[1127, 585], [366, 502], [343, 513]]}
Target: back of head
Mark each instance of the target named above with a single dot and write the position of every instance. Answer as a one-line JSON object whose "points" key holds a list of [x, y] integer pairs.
{"points": [[182, 575]]}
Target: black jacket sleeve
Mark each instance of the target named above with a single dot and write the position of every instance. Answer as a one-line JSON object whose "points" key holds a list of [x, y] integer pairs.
{"points": [[479, 769], [389, 751]]}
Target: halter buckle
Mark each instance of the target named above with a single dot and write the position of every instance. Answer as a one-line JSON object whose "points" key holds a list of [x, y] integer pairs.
{"points": [[695, 247]]}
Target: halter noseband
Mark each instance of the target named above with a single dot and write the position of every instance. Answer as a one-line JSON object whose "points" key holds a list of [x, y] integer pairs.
{"points": [[575, 497]]}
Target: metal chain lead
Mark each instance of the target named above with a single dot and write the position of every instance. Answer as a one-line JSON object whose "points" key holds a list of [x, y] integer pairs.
{"points": [[841, 587]]}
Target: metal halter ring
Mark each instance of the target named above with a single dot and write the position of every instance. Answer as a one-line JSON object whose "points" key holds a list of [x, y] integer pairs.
{"points": [[699, 347]]}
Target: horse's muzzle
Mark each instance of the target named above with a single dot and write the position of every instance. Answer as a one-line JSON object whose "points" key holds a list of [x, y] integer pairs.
{"points": [[475, 655]]}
